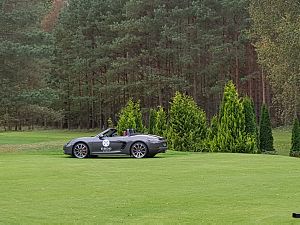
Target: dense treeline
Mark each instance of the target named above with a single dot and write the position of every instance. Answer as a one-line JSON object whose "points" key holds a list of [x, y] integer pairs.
{"points": [[75, 64], [25, 50]]}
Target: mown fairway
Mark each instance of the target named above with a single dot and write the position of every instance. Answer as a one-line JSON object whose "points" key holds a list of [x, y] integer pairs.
{"points": [[40, 185]]}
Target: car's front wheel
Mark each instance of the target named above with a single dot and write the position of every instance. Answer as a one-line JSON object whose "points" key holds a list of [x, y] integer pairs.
{"points": [[139, 150], [81, 151]]}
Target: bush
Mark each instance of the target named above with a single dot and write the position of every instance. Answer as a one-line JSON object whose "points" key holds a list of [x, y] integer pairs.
{"points": [[212, 132], [152, 121], [265, 131], [130, 117], [231, 135], [187, 125], [213, 127], [138, 117], [160, 122], [295, 149], [110, 123]]}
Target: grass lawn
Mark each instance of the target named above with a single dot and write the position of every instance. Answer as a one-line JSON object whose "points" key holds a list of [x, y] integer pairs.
{"points": [[40, 185], [282, 140]]}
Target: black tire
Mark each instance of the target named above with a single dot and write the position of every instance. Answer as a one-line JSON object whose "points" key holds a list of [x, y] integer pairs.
{"points": [[139, 150], [81, 150]]}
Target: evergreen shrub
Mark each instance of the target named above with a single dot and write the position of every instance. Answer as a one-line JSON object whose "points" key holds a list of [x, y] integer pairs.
{"points": [[266, 141], [231, 135], [160, 122], [187, 125], [295, 147], [152, 121], [130, 117]]}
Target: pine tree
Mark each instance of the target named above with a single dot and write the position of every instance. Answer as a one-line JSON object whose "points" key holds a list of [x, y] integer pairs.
{"points": [[149, 49], [295, 149], [265, 131], [24, 62], [161, 122], [231, 135], [187, 125]]}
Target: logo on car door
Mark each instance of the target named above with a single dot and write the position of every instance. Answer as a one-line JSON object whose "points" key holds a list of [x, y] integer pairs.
{"points": [[105, 143]]}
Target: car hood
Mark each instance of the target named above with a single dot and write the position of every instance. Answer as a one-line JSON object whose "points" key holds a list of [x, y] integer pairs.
{"points": [[83, 139], [86, 138]]}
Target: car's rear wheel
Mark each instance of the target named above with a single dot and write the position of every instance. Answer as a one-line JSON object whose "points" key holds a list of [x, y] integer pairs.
{"points": [[139, 150], [81, 151]]}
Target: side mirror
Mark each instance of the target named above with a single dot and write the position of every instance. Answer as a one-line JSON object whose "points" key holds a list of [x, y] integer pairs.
{"points": [[101, 136]]}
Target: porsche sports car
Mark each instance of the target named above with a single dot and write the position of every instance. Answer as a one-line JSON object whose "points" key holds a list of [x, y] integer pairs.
{"points": [[109, 142]]}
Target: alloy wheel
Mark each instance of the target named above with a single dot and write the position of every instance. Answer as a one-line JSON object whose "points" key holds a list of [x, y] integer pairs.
{"points": [[80, 151], [139, 150]]}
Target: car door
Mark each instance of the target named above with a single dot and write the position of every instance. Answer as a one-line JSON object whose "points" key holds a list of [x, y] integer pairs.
{"points": [[113, 143], [107, 145]]}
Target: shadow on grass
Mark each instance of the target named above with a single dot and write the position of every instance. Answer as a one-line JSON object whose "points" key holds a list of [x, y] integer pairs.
{"points": [[112, 157]]}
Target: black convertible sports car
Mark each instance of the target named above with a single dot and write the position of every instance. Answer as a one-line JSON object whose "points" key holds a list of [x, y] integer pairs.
{"points": [[109, 142]]}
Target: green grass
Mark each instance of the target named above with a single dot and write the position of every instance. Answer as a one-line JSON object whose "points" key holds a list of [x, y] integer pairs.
{"points": [[282, 140], [39, 185], [29, 137]]}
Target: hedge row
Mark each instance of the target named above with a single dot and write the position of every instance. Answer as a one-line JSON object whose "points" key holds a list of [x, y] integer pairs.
{"points": [[234, 129]]}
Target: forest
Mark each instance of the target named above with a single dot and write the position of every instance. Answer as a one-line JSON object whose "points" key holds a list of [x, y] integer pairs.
{"points": [[75, 63]]}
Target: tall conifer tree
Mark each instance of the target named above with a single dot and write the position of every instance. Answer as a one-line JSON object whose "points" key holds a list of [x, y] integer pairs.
{"points": [[231, 135], [250, 119], [265, 131], [295, 148]]}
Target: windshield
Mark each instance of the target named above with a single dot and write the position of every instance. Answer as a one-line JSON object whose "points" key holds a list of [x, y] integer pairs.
{"points": [[108, 133]]}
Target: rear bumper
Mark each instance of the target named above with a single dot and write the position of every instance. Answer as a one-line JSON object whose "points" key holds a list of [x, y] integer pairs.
{"points": [[160, 147]]}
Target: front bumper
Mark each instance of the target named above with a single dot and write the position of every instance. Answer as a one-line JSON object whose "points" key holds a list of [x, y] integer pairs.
{"points": [[67, 149]]}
